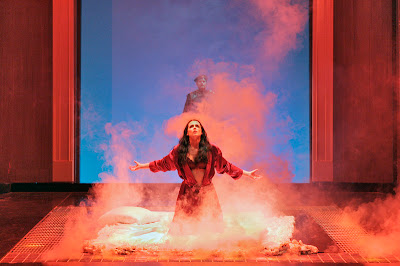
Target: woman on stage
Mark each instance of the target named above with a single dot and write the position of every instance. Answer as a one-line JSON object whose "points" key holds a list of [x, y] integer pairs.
{"points": [[197, 207]]}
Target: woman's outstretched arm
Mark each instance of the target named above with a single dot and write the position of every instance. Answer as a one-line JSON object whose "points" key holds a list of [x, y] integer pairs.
{"points": [[223, 166], [165, 164], [139, 166]]}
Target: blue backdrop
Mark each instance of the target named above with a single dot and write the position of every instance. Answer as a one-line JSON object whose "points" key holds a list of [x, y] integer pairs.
{"points": [[135, 54]]}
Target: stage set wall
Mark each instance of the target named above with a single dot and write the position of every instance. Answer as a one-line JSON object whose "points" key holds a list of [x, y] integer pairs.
{"points": [[38, 84], [354, 91]]}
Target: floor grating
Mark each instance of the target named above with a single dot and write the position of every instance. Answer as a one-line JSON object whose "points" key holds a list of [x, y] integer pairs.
{"points": [[344, 232], [49, 231], [46, 234]]}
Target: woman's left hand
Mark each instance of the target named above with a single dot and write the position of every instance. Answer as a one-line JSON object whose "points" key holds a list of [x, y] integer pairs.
{"points": [[252, 174]]}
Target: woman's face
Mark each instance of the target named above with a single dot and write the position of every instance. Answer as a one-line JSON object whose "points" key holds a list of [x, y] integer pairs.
{"points": [[194, 129], [201, 83]]}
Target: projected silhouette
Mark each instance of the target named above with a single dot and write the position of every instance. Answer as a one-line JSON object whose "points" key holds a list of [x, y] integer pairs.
{"points": [[196, 101]]}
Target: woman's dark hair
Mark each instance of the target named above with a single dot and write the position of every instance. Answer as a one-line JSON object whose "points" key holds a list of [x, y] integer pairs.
{"points": [[183, 148]]}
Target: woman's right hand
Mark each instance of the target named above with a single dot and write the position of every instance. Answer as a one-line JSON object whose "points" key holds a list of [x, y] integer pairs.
{"points": [[137, 166], [252, 174]]}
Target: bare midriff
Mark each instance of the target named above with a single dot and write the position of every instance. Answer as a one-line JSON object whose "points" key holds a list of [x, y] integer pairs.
{"points": [[198, 174]]}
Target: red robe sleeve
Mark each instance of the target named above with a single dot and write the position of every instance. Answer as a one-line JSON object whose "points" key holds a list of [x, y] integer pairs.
{"points": [[168, 163], [223, 166]]}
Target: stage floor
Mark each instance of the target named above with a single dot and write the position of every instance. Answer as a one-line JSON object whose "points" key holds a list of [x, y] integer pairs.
{"points": [[32, 222]]}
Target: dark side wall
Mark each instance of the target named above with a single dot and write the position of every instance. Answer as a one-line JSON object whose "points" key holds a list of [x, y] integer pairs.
{"points": [[25, 91], [364, 91]]}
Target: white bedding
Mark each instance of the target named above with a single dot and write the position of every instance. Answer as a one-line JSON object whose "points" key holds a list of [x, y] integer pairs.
{"points": [[134, 228]]}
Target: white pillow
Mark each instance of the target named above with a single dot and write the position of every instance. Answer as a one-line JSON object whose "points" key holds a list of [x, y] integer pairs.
{"points": [[129, 215]]}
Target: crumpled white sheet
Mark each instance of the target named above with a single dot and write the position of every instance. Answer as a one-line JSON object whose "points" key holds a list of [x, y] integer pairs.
{"points": [[136, 235], [267, 232]]}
